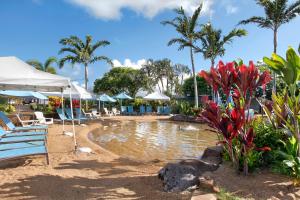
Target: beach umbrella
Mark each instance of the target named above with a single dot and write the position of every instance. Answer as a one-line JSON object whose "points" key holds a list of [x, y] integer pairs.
{"points": [[105, 98], [156, 96], [122, 96]]}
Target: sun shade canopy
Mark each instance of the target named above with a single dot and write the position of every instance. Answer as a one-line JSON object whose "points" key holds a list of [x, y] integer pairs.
{"points": [[106, 98], [122, 95], [156, 96], [18, 75], [76, 92], [16, 93]]}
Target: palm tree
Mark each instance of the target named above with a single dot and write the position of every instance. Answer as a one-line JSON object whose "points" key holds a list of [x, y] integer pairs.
{"points": [[212, 41], [46, 67], [277, 13], [186, 26], [82, 52]]}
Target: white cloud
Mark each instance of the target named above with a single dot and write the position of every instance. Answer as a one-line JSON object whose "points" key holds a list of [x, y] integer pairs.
{"points": [[230, 9], [128, 63], [112, 9]]}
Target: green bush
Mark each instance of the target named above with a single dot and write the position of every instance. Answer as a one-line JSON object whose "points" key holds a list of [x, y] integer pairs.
{"points": [[267, 135]]}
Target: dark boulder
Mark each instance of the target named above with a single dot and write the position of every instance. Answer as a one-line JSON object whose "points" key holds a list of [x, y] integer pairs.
{"points": [[213, 155], [185, 174]]}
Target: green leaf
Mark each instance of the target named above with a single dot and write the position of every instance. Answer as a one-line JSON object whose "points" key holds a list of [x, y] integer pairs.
{"points": [[289, 163]]}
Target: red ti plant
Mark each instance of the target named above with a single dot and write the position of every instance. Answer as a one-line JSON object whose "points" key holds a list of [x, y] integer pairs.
{"points": [[233, 123]]}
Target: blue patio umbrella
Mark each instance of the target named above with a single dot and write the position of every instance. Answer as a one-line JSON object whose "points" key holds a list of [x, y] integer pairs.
{"points": [[16, 93], [122, 96], [105, 98]]}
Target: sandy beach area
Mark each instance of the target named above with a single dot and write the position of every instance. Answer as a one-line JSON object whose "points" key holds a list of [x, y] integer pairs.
{"points": [[100, 175]]}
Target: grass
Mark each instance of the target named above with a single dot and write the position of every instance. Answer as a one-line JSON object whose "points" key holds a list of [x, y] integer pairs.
{"points": [[224, 195]]}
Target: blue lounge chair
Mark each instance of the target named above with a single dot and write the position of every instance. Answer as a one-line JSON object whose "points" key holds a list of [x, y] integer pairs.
{"points": [[62, 114], [160, 110], [12, 127], [130, 110], [79, 115], [124, 110], [148, 109], [167, 110], [8, 134], [69, 114], [142, 110], [21, 145], [20, 151]]}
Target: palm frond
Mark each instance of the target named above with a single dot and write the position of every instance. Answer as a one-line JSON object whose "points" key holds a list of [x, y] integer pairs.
{"points": [[194, 19], [69, 50], [234, 33], [98, 44], [70, 59], [36, 64], [49, 61], [101, 58], [260, 21]]}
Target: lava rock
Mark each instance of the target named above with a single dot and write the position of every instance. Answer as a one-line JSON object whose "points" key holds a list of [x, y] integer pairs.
{"points": [[180, 176], [213, 155]]}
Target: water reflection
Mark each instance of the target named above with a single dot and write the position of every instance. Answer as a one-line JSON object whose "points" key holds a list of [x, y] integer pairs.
{"points": [[161, 140]]}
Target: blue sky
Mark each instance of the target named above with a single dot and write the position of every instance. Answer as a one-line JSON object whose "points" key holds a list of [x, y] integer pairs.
{"points": [[32, 28]]}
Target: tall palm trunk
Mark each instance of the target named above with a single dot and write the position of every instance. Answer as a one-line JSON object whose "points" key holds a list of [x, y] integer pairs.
{"points": [[86, 73], [275, 51], [194, 76], [212, 62]]}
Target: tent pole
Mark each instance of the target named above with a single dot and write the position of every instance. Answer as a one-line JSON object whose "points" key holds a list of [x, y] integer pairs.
{"points": [[80, 109], [62, 108], [73, 125]]}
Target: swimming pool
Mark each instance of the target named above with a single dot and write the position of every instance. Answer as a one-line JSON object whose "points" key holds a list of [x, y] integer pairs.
{"points": [[163, 140]]}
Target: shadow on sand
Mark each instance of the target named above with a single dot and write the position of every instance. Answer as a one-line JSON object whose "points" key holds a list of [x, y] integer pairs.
{"points": [[115, 180]]}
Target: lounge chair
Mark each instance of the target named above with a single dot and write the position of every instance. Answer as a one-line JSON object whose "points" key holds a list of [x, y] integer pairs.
{"points": [[115, 111], [12, 127], [130, 110], [79, 115], [4, 133], [87, 115], [160, 110], [167, 110], [17, 150], [20, 146], [148, 109], [96, 114], [42, 119], [68, 111], [142, 110], [107, 112], [62, 114], [26, 123], [124, 110]]}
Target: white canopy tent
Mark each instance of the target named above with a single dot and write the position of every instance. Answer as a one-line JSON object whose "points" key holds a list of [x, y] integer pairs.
{"points": [[18, 75], [156, 96], [76, 91]]}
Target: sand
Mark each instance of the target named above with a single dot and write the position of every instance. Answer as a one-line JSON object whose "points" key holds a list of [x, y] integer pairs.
{"points": [[100, 175], [104, 175]]}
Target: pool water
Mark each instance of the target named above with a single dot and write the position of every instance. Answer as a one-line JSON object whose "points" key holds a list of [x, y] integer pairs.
{"points": [[163, 140]]}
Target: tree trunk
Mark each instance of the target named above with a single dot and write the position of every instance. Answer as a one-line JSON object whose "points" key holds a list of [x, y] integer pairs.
{"points": [[86, 84], [194, 76], [275, 51], [212, 62]]}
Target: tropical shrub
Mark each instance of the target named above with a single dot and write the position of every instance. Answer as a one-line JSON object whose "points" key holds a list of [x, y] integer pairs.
{"points": [[267, 135], [231, 123], [7, 108], [288, 161], [286, 106], [54, 102]]}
